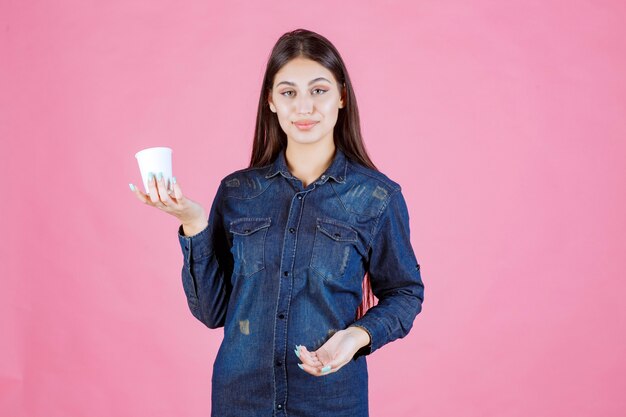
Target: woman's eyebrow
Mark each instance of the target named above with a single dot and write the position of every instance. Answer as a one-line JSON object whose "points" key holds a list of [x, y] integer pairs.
{"points": [[310, 82]]}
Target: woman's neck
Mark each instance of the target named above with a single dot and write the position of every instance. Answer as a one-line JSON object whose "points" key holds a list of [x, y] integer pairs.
{"points": [[308, 161]]}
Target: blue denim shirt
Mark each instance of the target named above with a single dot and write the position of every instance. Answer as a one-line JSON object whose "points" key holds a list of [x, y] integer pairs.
{"points": [[281, 264]]}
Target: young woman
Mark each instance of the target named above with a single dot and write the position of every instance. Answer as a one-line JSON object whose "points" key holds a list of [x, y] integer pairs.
{"points": [[295, 245]]}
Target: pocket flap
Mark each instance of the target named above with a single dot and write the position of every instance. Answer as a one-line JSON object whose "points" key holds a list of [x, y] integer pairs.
{"points": [[337, 231], [248, 225]]}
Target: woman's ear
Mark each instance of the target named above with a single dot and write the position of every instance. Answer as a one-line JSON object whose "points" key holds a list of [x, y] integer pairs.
{"points": [[342, 101], [270, 102]]}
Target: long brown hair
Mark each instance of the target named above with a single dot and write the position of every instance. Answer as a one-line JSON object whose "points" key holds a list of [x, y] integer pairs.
{"points": [[270, 139]]}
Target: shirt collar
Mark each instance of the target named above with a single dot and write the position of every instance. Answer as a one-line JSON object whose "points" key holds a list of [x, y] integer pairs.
{"points": [[337, 169]]}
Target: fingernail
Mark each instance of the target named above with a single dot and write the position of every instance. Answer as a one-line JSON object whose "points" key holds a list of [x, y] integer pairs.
{"points": [[132, 187], [297, 353], [300, 366], [150, 176], [160, 175], [174, 180], [326, 369]]}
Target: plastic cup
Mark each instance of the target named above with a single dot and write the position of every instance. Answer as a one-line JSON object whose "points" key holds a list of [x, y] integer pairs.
{"points": [[155, 160]]}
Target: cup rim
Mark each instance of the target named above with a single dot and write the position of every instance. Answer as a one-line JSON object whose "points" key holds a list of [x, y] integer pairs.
{"points": [[152, 148]]}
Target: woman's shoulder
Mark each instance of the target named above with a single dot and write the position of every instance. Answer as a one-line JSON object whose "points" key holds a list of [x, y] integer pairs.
{"points": [[244, 180], [366, 191], [358, 173], [248, 172]]}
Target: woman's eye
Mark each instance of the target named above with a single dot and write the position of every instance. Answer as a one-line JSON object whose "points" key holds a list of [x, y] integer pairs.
{"points": [[286, 93]]}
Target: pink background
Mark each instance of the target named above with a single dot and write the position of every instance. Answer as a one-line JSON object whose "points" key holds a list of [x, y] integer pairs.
{"points": [[503, 121]]}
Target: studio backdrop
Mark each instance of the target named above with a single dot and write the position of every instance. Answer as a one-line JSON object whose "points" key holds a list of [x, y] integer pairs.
{"points": [[502, 121]]}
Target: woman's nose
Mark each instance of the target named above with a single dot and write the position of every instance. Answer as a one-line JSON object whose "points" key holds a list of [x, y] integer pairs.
{"points": [[304, 104]]}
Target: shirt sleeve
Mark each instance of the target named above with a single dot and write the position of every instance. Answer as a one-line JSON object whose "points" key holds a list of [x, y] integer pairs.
{"points": [[395, 277], [207, 266]]}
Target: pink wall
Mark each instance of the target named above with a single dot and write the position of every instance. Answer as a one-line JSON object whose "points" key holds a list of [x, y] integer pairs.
{"points": [[503, 121]]}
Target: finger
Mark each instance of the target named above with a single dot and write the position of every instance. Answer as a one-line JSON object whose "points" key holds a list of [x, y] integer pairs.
{"points": [[309, 360], [305, 356], [140, 196], [315, 371], [333, 366], [331, 362], [323, 356], [178, 192], [162, 189], [152, 189]]}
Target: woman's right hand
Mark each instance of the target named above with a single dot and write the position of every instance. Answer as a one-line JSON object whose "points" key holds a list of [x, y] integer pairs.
{"points": [[190, 213]]}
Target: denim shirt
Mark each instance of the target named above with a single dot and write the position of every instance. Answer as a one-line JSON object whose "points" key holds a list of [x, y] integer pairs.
{"points": [[281, 265]]}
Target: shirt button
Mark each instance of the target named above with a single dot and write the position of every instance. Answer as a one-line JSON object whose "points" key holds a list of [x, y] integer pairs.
{"points": [[291, 230], [286, 273], [323, 176], [299, 197], [281, 316], [279, 363], [279, 406]]}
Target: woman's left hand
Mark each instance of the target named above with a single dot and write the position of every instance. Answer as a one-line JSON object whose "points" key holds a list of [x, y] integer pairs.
{"points": [[338, 350]]}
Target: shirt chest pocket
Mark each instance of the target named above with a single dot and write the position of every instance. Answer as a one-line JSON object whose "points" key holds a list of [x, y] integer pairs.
{"points": [[249, 244], [334, 246]]}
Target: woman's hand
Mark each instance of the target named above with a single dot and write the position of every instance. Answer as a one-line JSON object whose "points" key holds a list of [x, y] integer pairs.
{"points": [[338, 350], [173, 201]]}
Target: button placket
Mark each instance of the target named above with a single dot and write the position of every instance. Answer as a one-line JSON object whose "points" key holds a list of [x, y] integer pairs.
{"points": [[284, 296]]}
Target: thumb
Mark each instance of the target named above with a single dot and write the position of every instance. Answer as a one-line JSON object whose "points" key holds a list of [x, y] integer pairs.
{"points": [[337, 360], [333, 366]]}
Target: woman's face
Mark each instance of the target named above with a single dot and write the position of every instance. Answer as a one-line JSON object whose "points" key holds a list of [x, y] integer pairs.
{"points": [[305, 91]]}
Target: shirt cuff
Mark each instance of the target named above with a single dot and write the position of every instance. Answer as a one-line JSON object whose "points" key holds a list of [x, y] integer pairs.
{"points": [[375, 329], [195, 247]]}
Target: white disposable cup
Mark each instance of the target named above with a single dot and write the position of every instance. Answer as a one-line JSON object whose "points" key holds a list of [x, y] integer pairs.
{"points": [[155, 160]]}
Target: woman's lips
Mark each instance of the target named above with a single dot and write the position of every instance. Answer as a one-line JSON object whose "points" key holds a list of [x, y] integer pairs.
{"points": [[305, 126]]}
